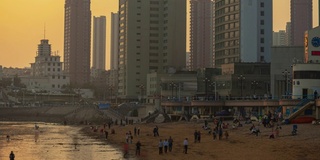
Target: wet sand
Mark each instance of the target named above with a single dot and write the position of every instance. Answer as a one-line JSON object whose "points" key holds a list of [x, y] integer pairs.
{"points": [[55, 142], [241, 145]]}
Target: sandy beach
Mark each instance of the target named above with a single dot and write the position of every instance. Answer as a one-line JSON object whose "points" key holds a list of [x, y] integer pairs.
{"points": [[240, 144]]}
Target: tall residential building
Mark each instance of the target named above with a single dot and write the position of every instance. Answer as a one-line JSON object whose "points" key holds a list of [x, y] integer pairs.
{"points": [[114, 48], [114, 52], [201, 33], [243, 31], [301, 20], [279, 38], [152, 38], [99, 43], [77, 36]]}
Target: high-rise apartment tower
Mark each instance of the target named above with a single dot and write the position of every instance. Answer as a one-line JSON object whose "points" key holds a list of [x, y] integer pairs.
{"points": [[99, 43], [301, 20], [243, 31], [77, 36], [152, 38], [114, 47], [201, 34]]}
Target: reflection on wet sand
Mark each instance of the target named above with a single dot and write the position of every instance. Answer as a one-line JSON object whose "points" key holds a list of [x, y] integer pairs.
{"points": [[51, 142]]}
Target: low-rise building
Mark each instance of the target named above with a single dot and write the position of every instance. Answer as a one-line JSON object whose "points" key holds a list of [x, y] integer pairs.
{"points": [[46, 71]]}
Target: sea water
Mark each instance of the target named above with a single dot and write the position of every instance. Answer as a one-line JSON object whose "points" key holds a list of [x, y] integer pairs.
{"points": [[52, 142]]}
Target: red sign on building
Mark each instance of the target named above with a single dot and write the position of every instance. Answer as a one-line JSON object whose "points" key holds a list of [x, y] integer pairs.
{"points": [[315, 53]]}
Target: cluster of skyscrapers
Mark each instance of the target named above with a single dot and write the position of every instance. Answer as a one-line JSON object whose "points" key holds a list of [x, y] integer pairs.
{"points": [[150, 36]]}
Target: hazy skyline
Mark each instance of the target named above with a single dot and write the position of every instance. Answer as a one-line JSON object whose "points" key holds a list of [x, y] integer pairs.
{"points": [[22, 26]]}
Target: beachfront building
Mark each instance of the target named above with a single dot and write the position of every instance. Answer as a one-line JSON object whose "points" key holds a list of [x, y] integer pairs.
{"points": [[243, 81], [46, 71], [201, 34], [177, 86], [77, 41], [152, 36], [306, 74], [282, 58], [243, 31]]}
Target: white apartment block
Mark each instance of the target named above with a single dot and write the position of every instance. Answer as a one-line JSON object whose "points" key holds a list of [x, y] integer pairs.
{"points": [[152, 38]]}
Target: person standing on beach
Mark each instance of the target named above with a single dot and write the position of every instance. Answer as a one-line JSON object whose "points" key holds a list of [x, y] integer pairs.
{"points": [[138, 131], [154, 131], [160, 146], [135, 131], [170, 141], [125, 150], [165, 144], [127, 137], [11, 156], [157, 131], [185, 145], [199, 136], [195, 134], [220, 133], [106, 133], [214, 133], [138, 146]]}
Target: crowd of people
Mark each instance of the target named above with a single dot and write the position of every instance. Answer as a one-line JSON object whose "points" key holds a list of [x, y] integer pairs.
{"points": [[218, 128]]}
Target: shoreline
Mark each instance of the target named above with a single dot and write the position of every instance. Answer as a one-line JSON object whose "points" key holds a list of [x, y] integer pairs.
{"points": [[240, 144]]}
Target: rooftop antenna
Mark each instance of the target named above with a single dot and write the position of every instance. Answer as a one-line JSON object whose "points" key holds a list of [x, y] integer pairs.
{"points": [[44, 31]]}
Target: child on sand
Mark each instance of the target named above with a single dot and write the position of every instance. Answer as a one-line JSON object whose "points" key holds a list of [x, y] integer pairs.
{"points": [[226, 134]]}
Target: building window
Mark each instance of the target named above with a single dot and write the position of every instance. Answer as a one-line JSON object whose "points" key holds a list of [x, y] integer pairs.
{"points": [[262, 13], [261, 40], [261, 49], [261, 31], [53, 86], [262, 22], [262, 5]]}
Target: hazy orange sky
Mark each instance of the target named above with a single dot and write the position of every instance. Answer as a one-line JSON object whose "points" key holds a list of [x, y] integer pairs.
{"points": [[23, 21]]}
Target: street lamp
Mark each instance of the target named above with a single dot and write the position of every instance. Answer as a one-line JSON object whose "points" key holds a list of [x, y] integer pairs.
{"points": [[254, 85], [286, 74], [141, 92], [172, 85], [111, 89], [206, 80], [241, 78], [214, 84]]}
